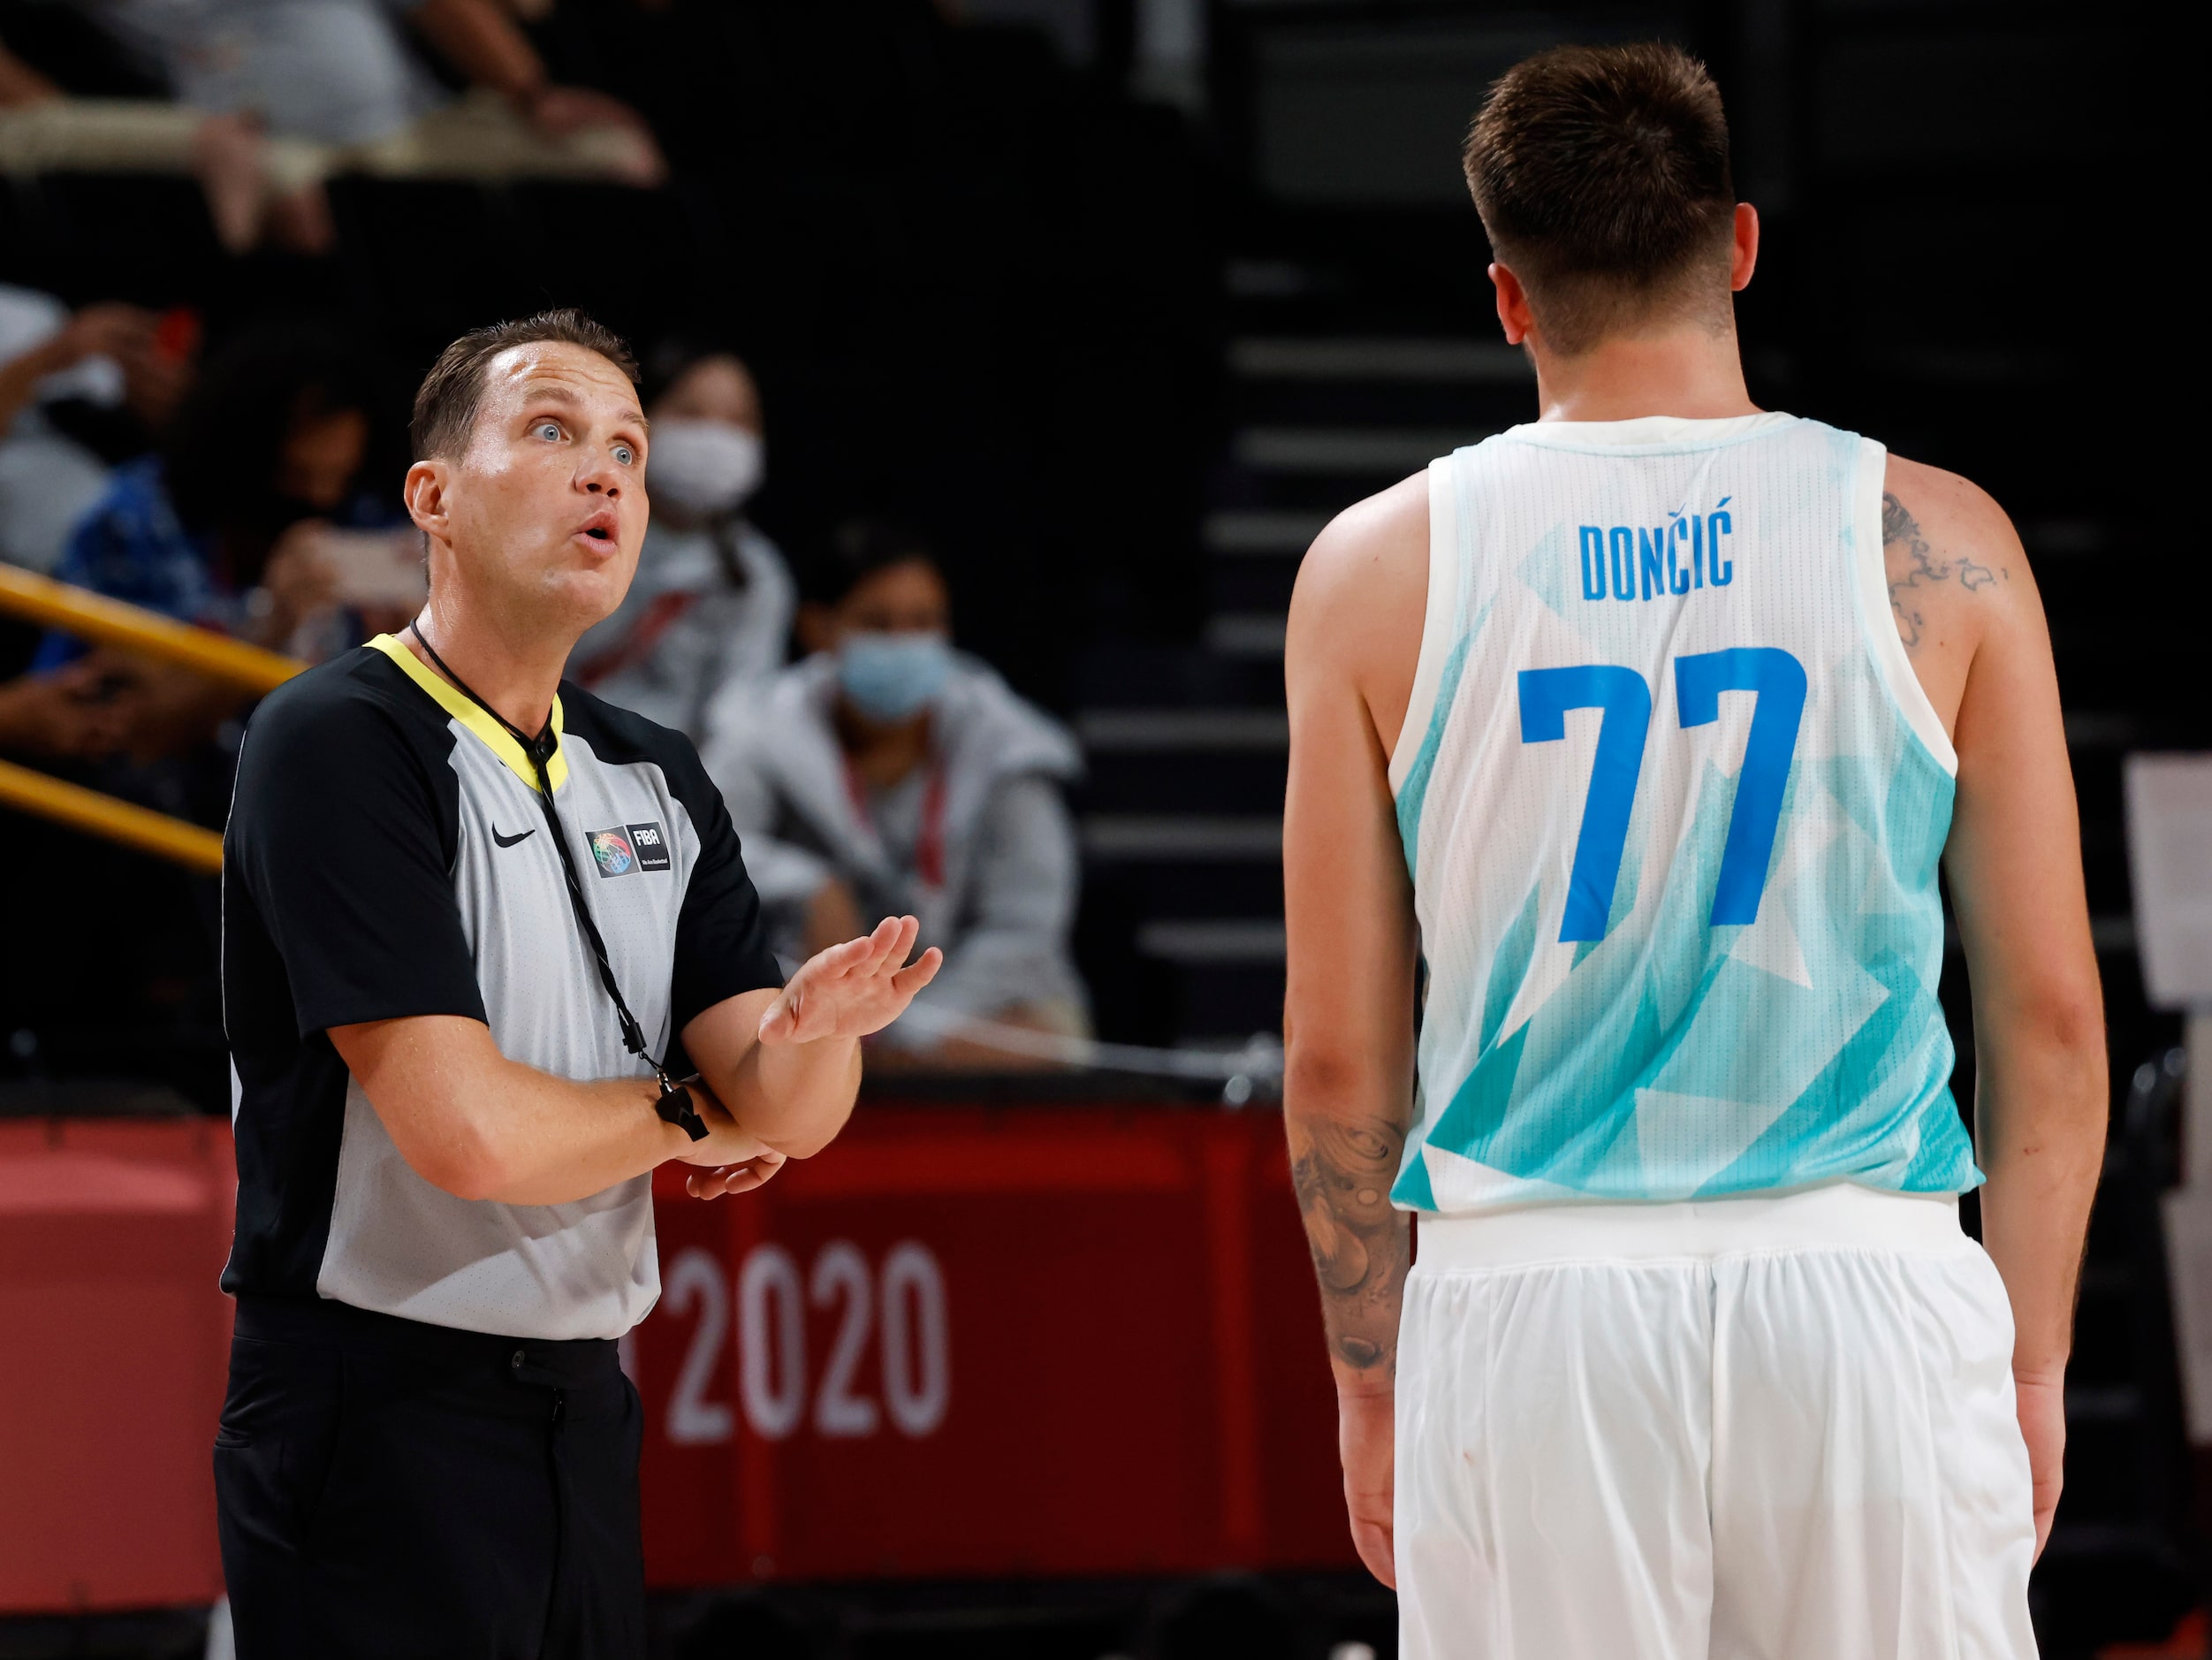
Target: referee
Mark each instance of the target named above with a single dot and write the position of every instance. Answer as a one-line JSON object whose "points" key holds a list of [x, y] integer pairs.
{"points": [[479, 929]]}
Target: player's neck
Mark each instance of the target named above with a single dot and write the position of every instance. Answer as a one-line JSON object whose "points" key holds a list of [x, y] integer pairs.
{"points": [[517, 671], [1689, 372]]}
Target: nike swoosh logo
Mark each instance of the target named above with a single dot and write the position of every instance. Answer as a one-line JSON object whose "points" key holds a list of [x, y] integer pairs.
{"points": [[508, 842]]}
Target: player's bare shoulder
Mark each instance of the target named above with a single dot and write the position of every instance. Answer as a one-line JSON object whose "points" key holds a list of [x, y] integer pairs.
{"points": [[1362, 592], [1958, 575]]}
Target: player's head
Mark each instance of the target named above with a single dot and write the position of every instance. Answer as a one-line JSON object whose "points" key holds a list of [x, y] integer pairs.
{"points": [[529, 469], [1602, 175]]}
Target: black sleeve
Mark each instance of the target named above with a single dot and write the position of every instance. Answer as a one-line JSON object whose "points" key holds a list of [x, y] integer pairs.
{"points": [[721, 940], [345, 838]]}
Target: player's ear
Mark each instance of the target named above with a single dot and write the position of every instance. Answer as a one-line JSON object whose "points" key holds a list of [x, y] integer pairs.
{"points": [[1744, 255], [1513, 315]]}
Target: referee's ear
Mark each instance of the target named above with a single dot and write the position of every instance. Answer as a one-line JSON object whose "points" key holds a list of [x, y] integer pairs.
{"points": [[425, 495]]}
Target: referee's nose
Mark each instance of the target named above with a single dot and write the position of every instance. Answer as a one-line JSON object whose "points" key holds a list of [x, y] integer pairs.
{"points": [[601, 478]]}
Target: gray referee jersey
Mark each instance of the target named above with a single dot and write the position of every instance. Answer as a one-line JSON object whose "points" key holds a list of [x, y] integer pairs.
{"points": [[387, 855]]}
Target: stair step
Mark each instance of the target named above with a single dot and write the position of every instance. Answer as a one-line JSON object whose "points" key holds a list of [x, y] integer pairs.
{"points": [[1353, 358], [1126, 731], [1182, 837], [1214, 941], [1147, 676], [1347, 451], [1247, 633], [1262, 534]]}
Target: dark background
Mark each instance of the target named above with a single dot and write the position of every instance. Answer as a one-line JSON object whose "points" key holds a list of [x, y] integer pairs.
{"points": [[1119, 328]]}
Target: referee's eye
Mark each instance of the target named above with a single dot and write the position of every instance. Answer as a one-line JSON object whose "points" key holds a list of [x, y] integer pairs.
{"points": [[548, 430], [624, 456]]}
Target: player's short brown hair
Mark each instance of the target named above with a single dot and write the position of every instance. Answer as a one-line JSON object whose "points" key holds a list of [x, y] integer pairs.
{"points": [[446, 402], [1601, 174]]}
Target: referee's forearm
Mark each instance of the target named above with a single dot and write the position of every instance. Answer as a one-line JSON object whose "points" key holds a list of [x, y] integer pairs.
{"points": [[797, 1096], [574, 1140], [469, 1120]]}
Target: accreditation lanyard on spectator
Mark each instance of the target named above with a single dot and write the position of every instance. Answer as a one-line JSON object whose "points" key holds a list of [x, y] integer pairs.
{"points": [[929, 841], [675, 1104]]}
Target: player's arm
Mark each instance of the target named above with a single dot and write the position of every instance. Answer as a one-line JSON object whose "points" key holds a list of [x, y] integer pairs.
{"points": [[1348, 1018], [2041, 1093], [469, 1120]]}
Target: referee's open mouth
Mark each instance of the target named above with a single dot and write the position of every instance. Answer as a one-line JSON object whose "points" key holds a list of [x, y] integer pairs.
{"points": [[601, 529]]}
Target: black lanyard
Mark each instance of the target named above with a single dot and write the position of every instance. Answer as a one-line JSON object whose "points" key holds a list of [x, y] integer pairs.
{"points": [[675, 1102]]}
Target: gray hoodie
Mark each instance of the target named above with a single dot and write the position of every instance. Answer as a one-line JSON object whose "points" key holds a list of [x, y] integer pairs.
{"points": [[1009, 873]]}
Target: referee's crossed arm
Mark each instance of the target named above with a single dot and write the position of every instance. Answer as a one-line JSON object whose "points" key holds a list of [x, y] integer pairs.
{"points": [[491, 954]]}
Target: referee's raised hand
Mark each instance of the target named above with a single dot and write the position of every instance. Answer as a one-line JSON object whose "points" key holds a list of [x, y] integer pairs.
{"points": [[855, 989]]}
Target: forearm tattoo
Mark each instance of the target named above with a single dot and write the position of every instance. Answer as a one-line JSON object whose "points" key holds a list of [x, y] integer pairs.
{"points": [[1913, 565], [1361, 1245]]}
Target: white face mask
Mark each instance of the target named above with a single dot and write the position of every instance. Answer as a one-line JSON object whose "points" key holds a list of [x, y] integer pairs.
{"points": [[702, 468]]}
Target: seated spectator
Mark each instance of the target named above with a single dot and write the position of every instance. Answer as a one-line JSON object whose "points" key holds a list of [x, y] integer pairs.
{"points": [[229, 524], [714, 600], [255, 186], [275, 96], [108, 359], [888, 772]]}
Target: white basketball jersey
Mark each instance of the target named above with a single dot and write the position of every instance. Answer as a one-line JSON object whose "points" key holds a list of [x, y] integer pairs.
{"points": [[1673, 800]]}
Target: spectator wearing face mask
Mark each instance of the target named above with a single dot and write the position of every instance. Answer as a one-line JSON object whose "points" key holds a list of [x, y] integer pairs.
{"points": [[886, 765], [714, 600]]}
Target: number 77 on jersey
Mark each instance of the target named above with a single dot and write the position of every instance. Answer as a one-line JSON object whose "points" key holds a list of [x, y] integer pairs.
{"points": [[1773, 676]]}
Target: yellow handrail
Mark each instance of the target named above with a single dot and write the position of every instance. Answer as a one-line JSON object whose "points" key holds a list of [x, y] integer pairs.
{"points": [[134, 827], [106, 621]]}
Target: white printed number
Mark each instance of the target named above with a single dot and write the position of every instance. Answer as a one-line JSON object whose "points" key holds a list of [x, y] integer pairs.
{"points": [[905, 1303]]}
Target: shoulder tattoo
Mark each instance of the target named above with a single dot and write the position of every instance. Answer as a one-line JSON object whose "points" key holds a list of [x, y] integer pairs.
{"points": [[1914, 565]]}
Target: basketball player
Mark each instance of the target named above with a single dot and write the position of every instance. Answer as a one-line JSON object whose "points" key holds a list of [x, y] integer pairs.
{"points": [[1643, 728]]}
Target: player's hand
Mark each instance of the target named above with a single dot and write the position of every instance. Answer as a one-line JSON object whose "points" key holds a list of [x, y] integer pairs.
{"points": [[852, 990], [1366, 1440], [2041, 1403]]}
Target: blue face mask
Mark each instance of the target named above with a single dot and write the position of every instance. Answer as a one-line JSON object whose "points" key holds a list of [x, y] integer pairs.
{"points": [[892, 677]]}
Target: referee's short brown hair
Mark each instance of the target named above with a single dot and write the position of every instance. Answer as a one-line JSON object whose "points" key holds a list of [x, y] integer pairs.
{"points": [[1601, 174], [445, 404]]}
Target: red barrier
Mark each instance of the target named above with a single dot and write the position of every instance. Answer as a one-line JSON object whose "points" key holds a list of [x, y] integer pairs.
{"points": [[1022, 1341], [111, 1235]]}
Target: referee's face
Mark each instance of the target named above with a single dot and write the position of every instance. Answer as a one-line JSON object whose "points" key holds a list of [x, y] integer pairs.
{"points": [[546, 508]]}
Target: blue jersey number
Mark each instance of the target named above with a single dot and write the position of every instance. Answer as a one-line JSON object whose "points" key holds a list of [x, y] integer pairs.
{"points": [[1778, 681], [1546, 694], [1774, 676]]}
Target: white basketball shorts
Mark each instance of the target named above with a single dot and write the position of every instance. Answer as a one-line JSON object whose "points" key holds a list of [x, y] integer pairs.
{"points": [[1764, 1428]]}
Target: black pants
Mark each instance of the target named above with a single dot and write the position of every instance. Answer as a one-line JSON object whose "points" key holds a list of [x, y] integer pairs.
{"points": [[385, 1488]]}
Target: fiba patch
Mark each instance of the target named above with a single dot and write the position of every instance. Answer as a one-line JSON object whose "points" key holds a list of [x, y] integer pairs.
{"points": [[630, 847]]}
